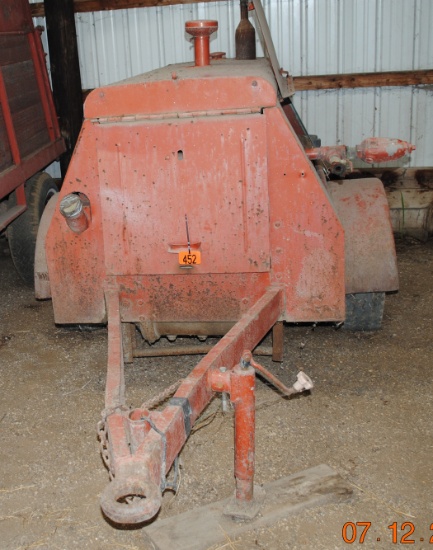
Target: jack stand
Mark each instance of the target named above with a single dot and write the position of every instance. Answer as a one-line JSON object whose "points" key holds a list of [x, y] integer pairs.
{"points": [[240, 384], [251, 506]]}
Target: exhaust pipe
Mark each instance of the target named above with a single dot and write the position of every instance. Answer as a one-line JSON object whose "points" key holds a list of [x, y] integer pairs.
{"points": [[245, 37]]}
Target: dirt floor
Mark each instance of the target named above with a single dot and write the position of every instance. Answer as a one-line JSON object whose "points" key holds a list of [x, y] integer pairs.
{"points": [[369, 417]]}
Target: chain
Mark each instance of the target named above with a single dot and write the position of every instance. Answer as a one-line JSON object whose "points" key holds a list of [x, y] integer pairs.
{"points": [[152, 403], [103, 446], [102, 431]]}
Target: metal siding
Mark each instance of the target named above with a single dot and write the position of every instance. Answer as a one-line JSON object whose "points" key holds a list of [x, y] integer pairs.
{"points": [[423, 51], [421, 126], [311, 37]]}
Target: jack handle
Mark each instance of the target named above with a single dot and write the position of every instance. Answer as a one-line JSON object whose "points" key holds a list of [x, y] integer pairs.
{"points": [[303, 382]]}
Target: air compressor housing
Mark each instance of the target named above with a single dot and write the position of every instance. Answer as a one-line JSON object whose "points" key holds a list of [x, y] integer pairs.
{"points": [[207, 151]]}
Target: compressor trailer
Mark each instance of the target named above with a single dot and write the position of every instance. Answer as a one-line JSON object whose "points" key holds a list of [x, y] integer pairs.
{"points": [[197, 204]]}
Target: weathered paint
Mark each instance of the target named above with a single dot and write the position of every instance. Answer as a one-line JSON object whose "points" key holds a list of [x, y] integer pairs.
{"points": [[256, 208], [370, 256], [141, 471]]}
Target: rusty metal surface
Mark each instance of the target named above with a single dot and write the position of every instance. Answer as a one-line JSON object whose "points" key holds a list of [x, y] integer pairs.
{"points": [[201, 31], [143, 444], [338, 158], [245, 36], [172, 351], [371, 263], [246, 334], [140, 471], [210, 328], [173, 175], [242, 395], [186, 89], [307, 238], [190, 350], [239, 382], [248, 218], [332, 159], [376, 150], [272, 379], [128, 339], [115, 385]]}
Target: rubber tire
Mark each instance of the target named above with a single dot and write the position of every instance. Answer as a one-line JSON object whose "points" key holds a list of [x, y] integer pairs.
{"points": [[364, 311], [23, 231]]}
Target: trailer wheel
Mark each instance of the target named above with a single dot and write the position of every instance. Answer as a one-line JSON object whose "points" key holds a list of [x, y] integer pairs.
{"points": [[364, 311], [23, 231]]}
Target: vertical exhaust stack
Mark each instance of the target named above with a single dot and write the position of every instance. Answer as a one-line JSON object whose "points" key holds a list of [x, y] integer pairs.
{"points": [[245, 37], [201, 30]]}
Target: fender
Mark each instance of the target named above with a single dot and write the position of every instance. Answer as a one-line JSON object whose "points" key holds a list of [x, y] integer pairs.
{"points": [[370, 258]]}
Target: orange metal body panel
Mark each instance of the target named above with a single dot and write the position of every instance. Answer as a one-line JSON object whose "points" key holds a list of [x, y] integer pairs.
{"points": [[307, 239], [181, 89], [153, 173], [255, 207], [370, 257], [76, 262]]}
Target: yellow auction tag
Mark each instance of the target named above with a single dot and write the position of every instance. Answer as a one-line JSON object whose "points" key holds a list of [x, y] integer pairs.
{"points": [[189, 258]]}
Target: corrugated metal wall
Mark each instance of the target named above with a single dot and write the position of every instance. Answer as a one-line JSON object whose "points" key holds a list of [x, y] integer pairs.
{"points": [[311, 37]]}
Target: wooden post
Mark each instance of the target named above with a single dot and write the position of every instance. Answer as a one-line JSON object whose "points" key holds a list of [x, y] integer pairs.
{"points": [[65, 72]]}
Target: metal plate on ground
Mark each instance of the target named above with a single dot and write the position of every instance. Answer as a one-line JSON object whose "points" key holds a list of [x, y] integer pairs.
{"points": [[200, 528]]}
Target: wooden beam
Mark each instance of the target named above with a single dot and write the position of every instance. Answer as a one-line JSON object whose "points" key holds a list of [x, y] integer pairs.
{"points": [[38, 9], [356, 80], [363, 80], [65, 72], [393, 179]]}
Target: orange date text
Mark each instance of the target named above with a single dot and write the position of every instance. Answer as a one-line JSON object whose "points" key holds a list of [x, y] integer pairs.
{"points": [[404, 533]]}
